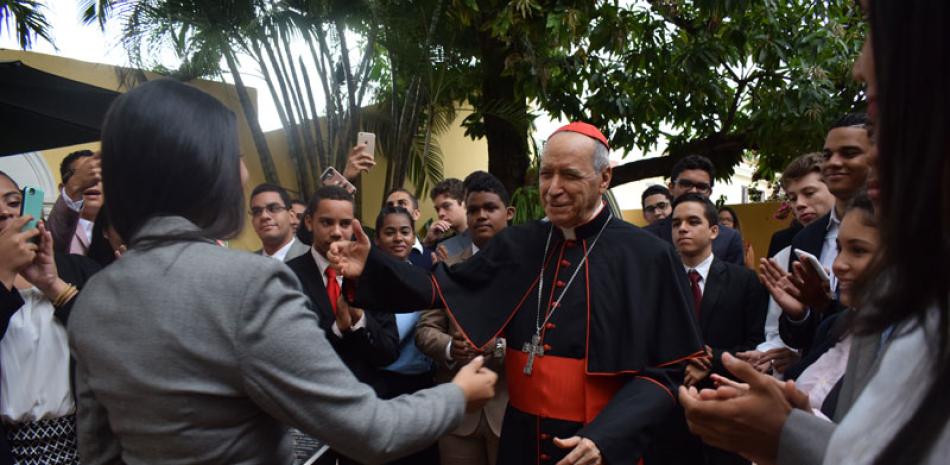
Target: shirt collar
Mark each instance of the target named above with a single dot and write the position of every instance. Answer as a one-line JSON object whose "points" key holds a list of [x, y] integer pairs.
{"points": [[281, 253], [834, 222], [475, 249], [591, 227], [322, 262], [702, 268], [418, 246]]}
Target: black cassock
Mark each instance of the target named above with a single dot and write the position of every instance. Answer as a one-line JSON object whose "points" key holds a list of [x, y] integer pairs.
{"points": [[613, 346]]}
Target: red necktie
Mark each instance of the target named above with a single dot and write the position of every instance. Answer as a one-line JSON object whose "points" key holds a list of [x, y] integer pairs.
{"points": [[333, 288], [694, 278]]}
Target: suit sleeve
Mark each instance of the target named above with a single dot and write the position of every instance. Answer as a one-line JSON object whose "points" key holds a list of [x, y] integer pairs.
{"points": [[62, 223], [378, 342], [735, 253], [628, 424], [804, 439], [97, 444], [387, 284], [290, 370], [10, 303], [432, 335], [754, 305]]}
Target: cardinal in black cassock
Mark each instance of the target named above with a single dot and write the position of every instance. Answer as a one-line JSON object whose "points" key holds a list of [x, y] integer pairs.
{"points": [[597, 356]]}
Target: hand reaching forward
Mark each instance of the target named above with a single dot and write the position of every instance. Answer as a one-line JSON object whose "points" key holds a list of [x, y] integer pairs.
{"points": [[583, 451], [349, 257], [477, 383]]}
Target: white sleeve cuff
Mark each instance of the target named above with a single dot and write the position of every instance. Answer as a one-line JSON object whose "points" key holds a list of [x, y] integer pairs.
{"points": [[802, 319], [74, 205], [359, 324]]}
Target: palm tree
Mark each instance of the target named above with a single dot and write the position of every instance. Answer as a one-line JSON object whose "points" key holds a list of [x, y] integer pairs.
{"points": [[27, 19]]}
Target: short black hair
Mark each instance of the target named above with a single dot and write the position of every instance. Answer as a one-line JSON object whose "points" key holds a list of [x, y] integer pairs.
{"points": [[481, 181], [852, 120], [654, 190], [328, 193], [296, 201], [267, 187], [415, 201], [66, 166], [735, 216], [170, 149], [694, 162], [862, 203], [451, 187], [709, 208], [390, 210]]}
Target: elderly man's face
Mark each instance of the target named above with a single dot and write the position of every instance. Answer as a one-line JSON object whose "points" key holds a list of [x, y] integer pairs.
{"points": [[570, 186]]}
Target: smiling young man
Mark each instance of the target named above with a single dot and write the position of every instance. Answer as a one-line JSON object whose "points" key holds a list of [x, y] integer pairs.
{"points": [[595, 312], [272, 220]]}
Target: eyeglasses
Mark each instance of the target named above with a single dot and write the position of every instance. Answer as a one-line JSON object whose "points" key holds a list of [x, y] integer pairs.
{"points": [[686, 184], [659, 206], [272, 208]]}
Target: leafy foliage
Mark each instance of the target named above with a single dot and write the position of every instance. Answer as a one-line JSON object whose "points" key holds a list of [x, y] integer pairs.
{"points": [[27, 20]]}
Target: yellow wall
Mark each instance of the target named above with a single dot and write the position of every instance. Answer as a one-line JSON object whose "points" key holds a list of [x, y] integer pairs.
{"points": [[756, 219], [106, 76]]}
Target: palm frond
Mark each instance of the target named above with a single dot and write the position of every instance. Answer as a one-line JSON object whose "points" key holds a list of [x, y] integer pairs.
{"points": [[27, 20]]}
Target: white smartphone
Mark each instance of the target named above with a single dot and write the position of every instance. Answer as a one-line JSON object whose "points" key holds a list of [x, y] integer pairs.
{"points": [[332, 177], [369, 139], [813, 262]]}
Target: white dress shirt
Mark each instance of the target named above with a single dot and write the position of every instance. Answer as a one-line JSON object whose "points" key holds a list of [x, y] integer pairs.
{"points": [[829, 248], [323, 264], [281, 253], [703, 270], [772, 338], [34, 382]]}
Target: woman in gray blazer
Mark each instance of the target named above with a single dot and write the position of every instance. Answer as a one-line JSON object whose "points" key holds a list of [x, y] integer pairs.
{"points": [[188, 352]]}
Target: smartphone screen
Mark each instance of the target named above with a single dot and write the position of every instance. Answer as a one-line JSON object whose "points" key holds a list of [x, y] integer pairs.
{"points": [[32, 205]]}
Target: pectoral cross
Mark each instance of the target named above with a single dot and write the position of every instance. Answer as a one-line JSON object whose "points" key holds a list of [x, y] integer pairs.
{"points": [[533, 348]]}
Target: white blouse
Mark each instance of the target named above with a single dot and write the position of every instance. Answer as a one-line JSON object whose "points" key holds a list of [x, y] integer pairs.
{"points": [[34, 364], [888, 401]]}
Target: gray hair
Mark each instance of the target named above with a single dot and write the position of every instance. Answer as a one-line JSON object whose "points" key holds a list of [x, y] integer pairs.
{"points": [[601, 154]]}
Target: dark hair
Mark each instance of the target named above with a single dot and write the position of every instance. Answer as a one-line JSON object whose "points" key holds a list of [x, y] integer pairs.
{"points": [[801, 167], [451, 187], [912, 169], [99, 248], [709, 208], [481, 181], [266, 187], [296, 201], [735, 217], [694, 162], [171, 149], [852, 120], [10, 178], [654, 190], [389, 210], [415, 201], [328, 193], [862, 203], [66, 166]]}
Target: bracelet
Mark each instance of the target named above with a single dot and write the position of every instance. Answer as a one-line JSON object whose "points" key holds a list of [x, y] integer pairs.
{"points": [[65, 296]]}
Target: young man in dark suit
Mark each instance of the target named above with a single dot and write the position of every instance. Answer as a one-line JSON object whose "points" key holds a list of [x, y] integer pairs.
{"points": [[845, 172], [730, 306], [696, 173], [365, 341]]}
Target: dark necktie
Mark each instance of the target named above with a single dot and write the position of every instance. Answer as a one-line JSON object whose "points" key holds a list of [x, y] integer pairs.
{"points": [[694, 278], [333, 288]]}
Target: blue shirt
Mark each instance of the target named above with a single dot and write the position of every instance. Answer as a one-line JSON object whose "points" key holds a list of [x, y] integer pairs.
{"points": [[411, 361]]}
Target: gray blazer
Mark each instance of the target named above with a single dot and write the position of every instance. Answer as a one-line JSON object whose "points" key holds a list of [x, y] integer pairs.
{"points": [[296, 249], [805, 437], [191, 353]]}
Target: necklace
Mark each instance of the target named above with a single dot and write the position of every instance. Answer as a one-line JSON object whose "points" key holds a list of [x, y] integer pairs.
{"points": [[534, 348]]}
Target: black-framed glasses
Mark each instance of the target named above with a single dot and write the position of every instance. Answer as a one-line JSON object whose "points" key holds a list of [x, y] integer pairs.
{"points": [[659, 206], [272, 208], [687, 184]]}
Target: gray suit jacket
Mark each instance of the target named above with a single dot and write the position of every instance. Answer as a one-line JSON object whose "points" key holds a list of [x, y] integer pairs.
{"points": [[296, 249], [805, 437], [191, 353]]}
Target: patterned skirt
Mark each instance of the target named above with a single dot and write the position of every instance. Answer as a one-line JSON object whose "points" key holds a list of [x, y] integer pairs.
{"points": [[44, 442]]}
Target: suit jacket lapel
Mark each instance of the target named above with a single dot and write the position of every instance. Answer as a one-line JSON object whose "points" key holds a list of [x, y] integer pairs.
{"points": [[313, 282], [711, 291], [813, 242]]}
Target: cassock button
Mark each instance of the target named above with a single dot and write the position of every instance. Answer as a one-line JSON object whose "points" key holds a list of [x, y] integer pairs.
{"points": [[550, 326], [547, 347], [570, 243], [564, 263], [545, 436], [560, 283], [545, 457]]}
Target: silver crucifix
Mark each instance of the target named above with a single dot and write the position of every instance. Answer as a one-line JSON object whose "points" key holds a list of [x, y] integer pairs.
{"points": [[533, 348]]}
